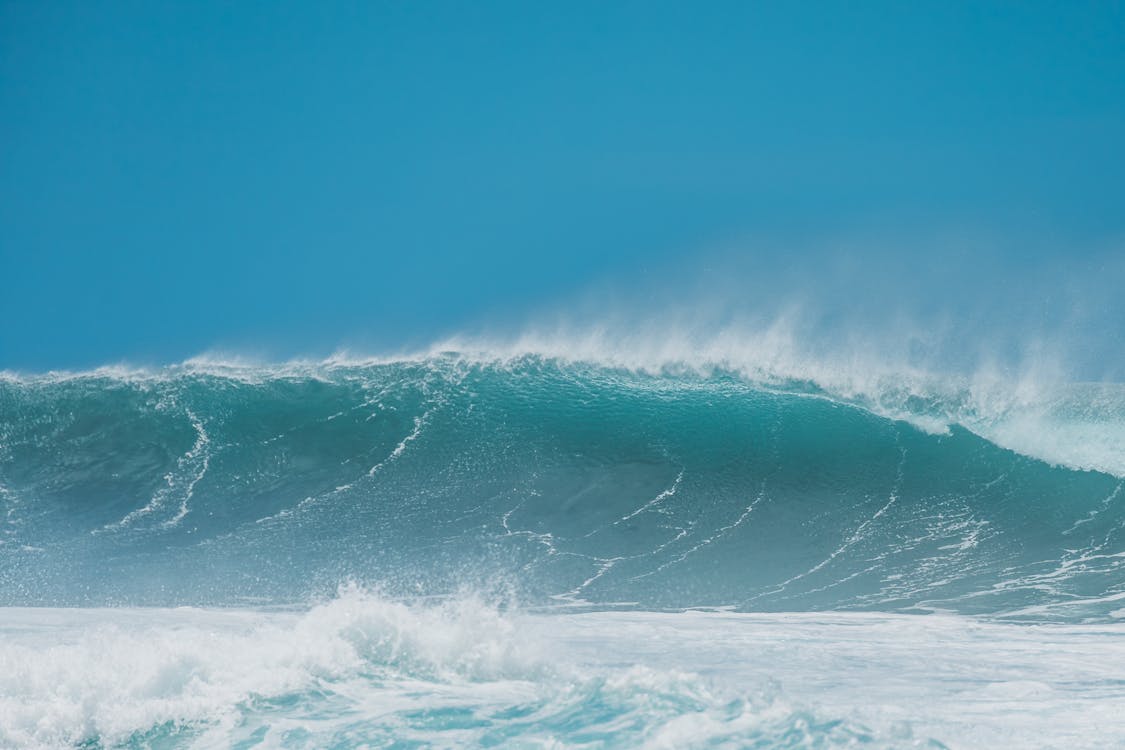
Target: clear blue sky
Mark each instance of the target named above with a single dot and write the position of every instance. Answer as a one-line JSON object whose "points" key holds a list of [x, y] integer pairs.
{"points": [[180, 176]]}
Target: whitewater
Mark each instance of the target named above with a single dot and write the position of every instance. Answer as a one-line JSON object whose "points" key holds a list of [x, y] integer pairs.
{"points": [[571, 545]]}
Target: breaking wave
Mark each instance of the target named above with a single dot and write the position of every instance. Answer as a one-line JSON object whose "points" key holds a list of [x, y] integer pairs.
{"points": [[577, 477]]}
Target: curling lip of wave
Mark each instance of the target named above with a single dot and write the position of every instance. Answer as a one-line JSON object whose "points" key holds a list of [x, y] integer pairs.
{"points": [[1073, 425]]}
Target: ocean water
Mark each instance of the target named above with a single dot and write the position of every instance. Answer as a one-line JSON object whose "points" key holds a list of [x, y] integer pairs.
{"points": [[532, 548]]}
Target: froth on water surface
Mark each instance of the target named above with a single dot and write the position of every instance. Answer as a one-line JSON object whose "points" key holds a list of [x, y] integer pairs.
{"points": [[361, 670]]}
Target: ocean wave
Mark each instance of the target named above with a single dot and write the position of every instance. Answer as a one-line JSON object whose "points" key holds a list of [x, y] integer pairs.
{"points": [[1034, 411], [580, 475]]}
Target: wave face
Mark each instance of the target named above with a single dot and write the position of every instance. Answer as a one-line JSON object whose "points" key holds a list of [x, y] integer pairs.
{"points": [[559, 483]]}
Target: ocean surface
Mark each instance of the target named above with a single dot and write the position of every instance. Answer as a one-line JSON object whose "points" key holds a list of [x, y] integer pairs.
{"points": [[526, 549]]}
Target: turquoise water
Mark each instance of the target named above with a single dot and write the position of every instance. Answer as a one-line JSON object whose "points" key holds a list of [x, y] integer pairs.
{"points": [[530, 550]]}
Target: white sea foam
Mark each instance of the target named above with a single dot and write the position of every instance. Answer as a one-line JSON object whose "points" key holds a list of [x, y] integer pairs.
{"points": [[71, 675], [460, 673]]}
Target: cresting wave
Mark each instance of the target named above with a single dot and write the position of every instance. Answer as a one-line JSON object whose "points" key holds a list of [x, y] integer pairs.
{"points": [[573, 477]]}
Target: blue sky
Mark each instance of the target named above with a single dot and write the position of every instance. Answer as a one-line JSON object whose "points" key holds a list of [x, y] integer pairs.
{"points": [[287, 178]]}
